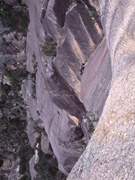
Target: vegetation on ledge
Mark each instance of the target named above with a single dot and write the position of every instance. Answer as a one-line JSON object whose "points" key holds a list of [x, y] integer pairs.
{"points": [[49, 46], [16, 76]]}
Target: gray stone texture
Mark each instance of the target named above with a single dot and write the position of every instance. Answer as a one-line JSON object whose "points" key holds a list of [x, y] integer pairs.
{"points": [[96, 80], [56, 104], [110, 153]]}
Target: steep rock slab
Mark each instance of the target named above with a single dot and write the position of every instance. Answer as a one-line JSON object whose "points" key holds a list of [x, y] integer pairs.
{"points": [[80, 37], [96, 79], [77, 37], [45, 97], [111, 151]]}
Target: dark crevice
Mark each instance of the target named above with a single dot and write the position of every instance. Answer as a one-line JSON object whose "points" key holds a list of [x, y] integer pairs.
{"points": [[60, 8], [88, 17], [44, 8], [91, 8], [1, 162]]}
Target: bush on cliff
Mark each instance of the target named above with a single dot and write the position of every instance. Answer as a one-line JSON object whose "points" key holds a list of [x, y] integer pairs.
{"points": [[14, 18], [47, 166], [16, 76], [49, 46]]}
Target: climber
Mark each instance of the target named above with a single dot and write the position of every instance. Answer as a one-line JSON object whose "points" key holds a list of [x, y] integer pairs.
{"points": [[82, 66]]}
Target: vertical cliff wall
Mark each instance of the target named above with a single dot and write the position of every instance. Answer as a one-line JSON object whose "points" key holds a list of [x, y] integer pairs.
{"points": [[73, 30], [111, 150], [60, 64]]}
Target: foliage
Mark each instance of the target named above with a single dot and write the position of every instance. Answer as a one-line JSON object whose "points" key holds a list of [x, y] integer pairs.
{"points": [[90, 16], [91, 127], [25, 155], [8, 126], [13, 138], [47, 167], [13, 18], [3, 177], [93, 15], [16, 76], [92, 120], [21, 3], [10, 123], [91, 116], [49, 46]]}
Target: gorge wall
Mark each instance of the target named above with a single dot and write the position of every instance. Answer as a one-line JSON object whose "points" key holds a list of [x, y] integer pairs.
{"points": [[76, 28], [72, 74]]}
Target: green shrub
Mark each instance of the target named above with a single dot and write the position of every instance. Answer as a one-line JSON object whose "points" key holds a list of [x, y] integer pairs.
{"points": [[16, 76], [47, 166], [92, 120], [49, 46], [91, 116], [13, 136], [13, 18], [92, 15], [91, 127], [25, 154]]}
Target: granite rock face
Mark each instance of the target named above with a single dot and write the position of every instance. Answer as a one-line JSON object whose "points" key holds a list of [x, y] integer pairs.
{"points": [[63, 105], [96, 80], [111, 150], [54, 84]]}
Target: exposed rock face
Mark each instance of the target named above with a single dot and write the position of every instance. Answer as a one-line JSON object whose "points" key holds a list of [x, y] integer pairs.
{"points": [[53, 93], [96, 79], [61, 104], [111, 150]]}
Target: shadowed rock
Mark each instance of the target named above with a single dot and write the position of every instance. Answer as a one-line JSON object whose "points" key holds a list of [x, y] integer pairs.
{"points": [[96, 79]]}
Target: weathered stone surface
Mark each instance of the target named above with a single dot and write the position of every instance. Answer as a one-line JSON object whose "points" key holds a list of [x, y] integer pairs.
{"points": [[57, 80], [32, 133], [45, 144], [96, 80], [32, 164], [111, 150], [54, 119], [80, 38]]}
